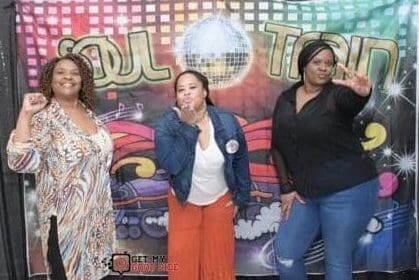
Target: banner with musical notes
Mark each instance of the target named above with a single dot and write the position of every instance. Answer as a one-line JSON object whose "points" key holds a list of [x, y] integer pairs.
{"points": [[248, 49]]}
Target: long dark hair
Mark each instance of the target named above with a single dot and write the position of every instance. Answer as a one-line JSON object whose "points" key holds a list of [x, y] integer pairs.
{"points": [[87, 91], [201, 78]]}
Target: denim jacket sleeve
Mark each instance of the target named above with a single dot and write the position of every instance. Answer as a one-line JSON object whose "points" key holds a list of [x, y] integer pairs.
{"points": [[175, 143], [237, 170], [242, 172]]}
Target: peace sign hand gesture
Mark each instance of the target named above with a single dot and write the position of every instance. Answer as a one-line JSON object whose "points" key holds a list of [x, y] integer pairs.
{"points": [[360, 84]]}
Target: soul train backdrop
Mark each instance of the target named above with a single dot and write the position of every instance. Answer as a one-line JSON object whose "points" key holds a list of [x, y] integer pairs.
{"points": [[248, 49]]}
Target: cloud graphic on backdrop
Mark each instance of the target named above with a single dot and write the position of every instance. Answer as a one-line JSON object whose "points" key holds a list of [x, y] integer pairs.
{"points": [[217, 47], [266, 221], [162, 220]]}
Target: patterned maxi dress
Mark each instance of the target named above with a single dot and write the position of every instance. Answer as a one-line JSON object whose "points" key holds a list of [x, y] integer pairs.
{"points": [[72, 183]]}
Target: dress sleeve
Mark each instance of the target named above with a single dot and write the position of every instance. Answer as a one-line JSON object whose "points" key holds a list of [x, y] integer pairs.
{"points": [[277, 157], [348, 101], [26, 157]]}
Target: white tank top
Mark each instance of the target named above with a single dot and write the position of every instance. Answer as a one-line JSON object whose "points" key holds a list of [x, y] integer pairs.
{"points": [[103, 140], [208, 182]]}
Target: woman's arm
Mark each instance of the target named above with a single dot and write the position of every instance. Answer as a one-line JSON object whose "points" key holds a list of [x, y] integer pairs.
{"points": [[359, 84], [30, 140], [354, 92], [175, 141], [277, 157], [281, 171], [288, 192], [32, 103]]}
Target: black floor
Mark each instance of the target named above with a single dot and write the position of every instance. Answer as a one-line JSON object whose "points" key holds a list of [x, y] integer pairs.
{"points": [[405, 275]]}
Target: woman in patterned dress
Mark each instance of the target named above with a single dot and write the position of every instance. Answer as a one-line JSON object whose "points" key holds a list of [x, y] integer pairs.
{"points": [[61, 141]]}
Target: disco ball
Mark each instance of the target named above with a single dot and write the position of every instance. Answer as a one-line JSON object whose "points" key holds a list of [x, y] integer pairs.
{"points": [[217, 47]]}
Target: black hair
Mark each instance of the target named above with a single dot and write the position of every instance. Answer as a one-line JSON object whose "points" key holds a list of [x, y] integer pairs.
{"points": [[201, 78], [309, 51]]}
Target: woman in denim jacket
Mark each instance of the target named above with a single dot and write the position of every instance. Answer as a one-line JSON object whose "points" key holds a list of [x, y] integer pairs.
{"points": [[204, 152]]}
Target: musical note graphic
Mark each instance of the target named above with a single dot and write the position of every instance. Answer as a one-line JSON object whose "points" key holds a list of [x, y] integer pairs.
{"points": [[134, 113]]}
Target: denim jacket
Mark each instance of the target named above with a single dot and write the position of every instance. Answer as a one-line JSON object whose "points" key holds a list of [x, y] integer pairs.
{"points": [[175, 143]]}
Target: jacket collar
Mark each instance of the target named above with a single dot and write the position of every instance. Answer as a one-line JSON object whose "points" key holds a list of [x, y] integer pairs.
{"points": [[215, 118]]}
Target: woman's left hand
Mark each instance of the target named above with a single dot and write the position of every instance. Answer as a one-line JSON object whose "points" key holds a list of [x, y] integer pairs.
{"points": [[236, 208], [360, 84]]}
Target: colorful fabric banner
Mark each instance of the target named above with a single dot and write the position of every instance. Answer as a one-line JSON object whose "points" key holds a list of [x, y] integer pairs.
{"points": [[248, 49]]}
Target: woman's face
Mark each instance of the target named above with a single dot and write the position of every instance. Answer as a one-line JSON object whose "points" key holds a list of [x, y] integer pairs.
{"points": [[319, 70], [190, 92], [66, 80]]}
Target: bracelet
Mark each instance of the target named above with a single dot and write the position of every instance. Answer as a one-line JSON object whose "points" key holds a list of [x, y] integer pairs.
{"points": [[286, 188]]}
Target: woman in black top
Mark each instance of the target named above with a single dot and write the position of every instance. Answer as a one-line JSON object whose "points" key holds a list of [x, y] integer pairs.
{"points": [[328, 184]]}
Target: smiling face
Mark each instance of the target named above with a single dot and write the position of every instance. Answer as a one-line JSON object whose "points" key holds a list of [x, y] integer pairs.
{"points": [[66, 80], [319, 70], [190, 92]]}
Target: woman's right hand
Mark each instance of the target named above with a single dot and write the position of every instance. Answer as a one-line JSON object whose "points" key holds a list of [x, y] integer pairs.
{"points": [[33, 102], [186, 114], [286, 203]]}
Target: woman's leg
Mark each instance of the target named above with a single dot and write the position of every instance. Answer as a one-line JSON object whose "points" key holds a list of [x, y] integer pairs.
{"points": [[293, 239], [53, 255], [184, 239], [217, 258], [344, 217]]}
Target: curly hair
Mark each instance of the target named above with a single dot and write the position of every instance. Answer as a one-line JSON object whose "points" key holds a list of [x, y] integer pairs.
{"points": [[87, 92]]}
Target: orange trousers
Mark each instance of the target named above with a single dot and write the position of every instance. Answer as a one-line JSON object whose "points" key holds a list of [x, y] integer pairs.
{"points": [[201, 240]]}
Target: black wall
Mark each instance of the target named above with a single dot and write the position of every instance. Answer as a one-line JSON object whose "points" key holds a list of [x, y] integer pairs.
{"points": [[12, 233]]}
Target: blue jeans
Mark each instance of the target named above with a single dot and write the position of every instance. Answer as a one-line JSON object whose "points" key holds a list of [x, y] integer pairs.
{"points": [[340, 217]]}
